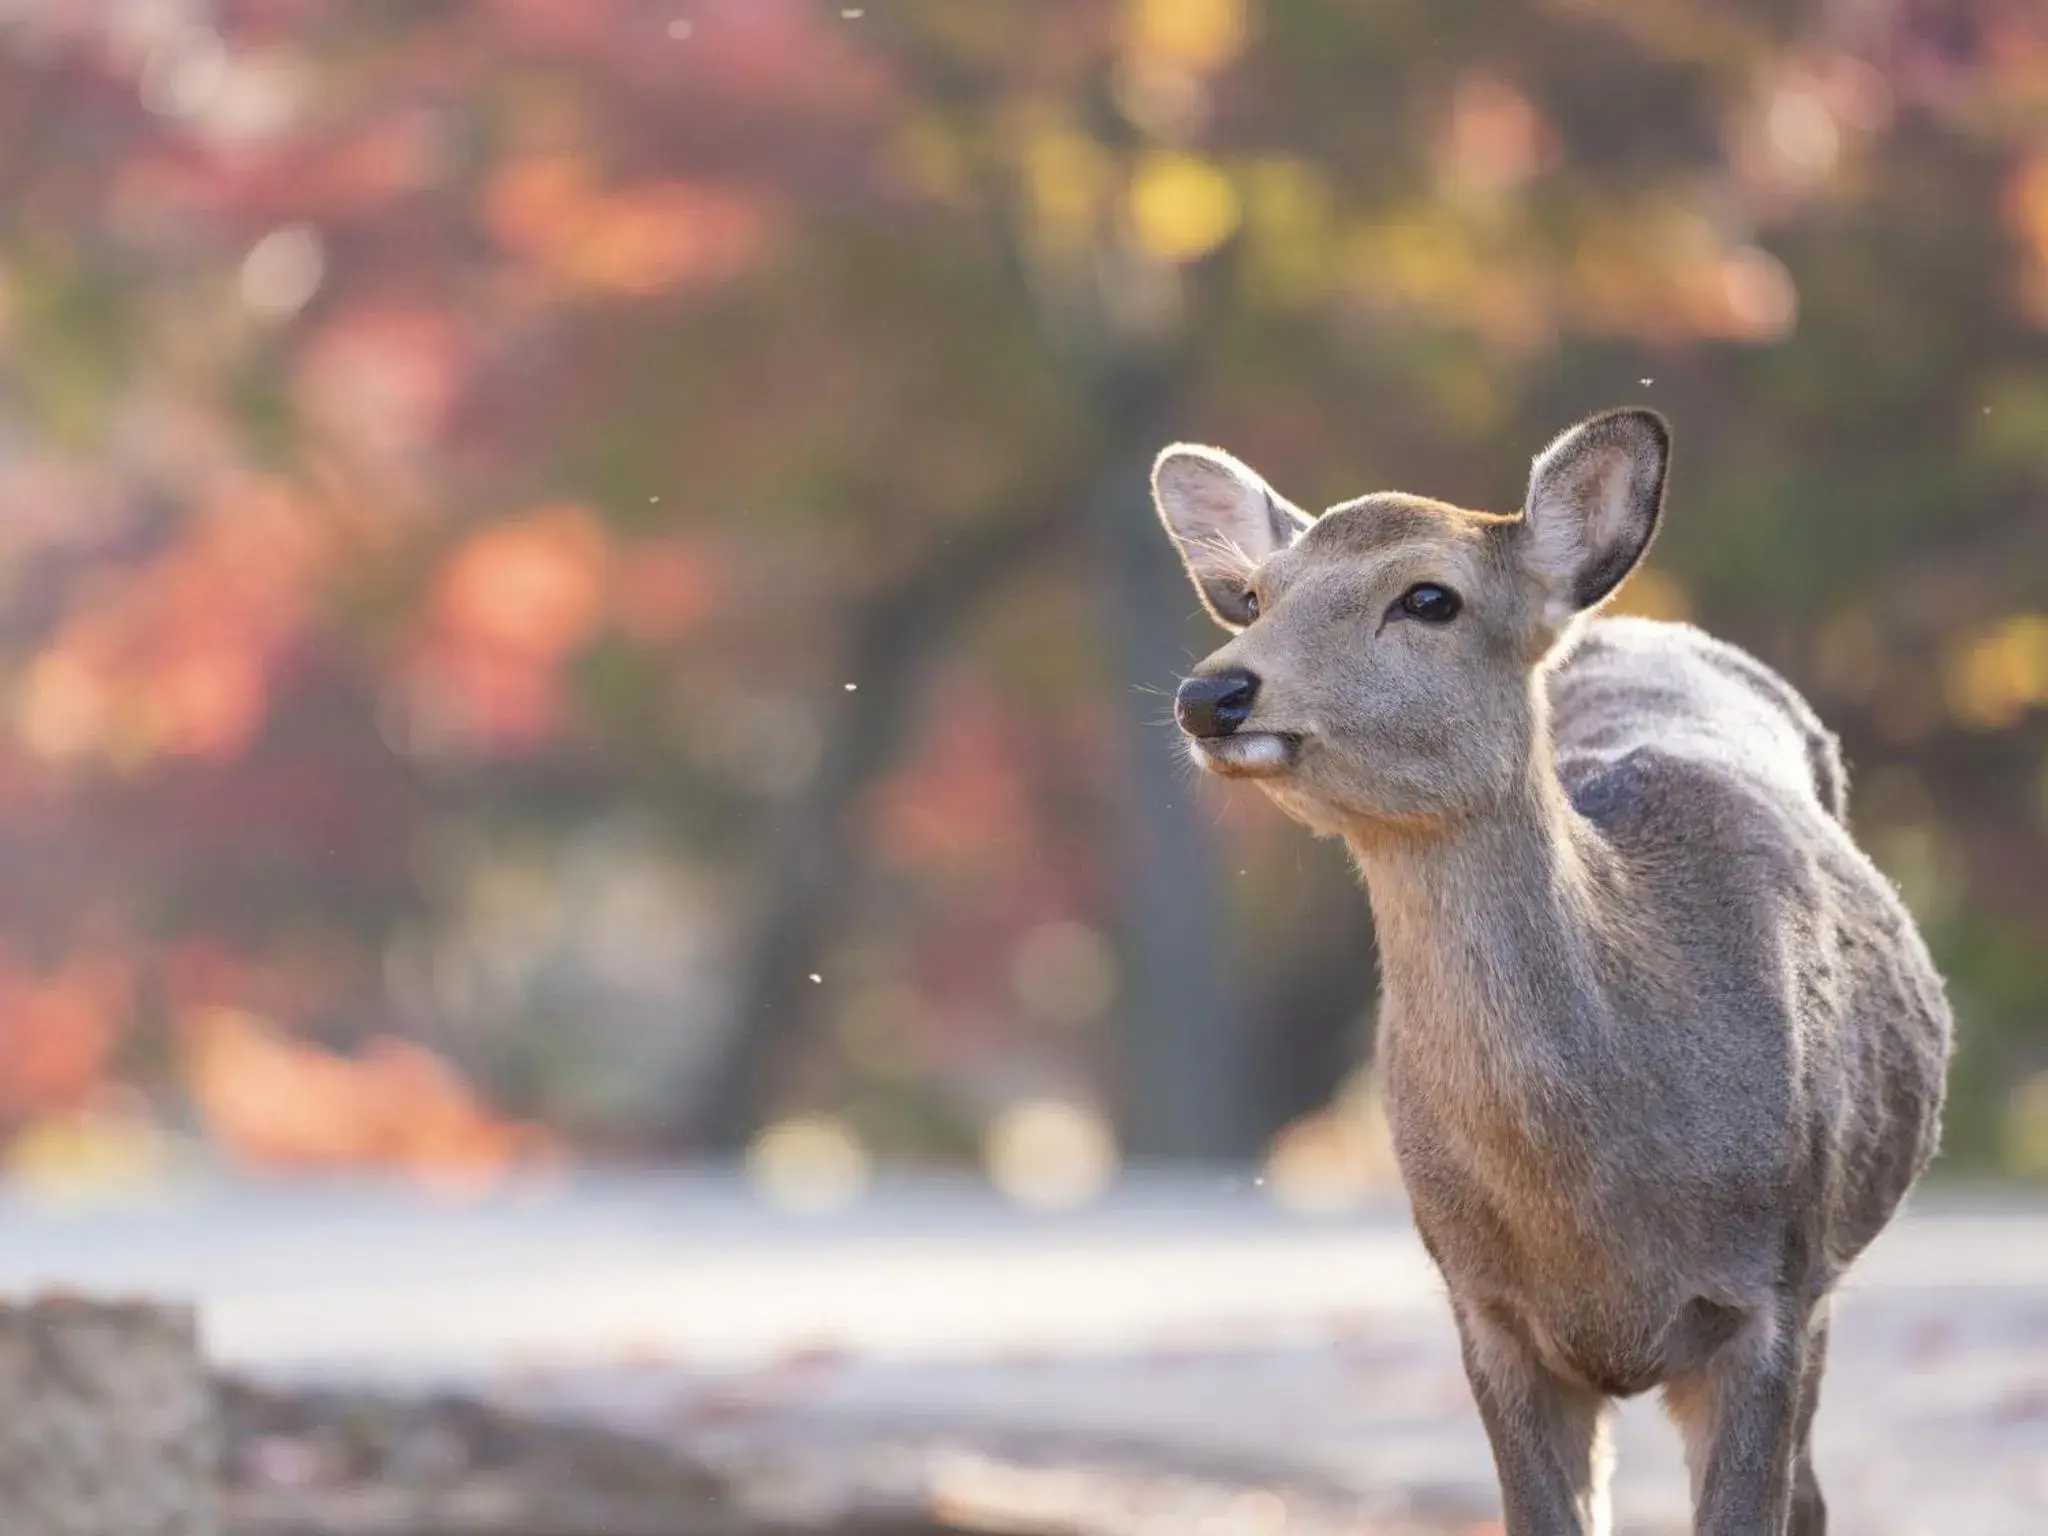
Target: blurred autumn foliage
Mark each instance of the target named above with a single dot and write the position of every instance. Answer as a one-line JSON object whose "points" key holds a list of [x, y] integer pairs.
{"points": [[584, 562]]}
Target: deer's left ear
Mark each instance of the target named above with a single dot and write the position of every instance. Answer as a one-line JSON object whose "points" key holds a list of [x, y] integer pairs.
{"points": [[1595, 495], [1225, 520]]}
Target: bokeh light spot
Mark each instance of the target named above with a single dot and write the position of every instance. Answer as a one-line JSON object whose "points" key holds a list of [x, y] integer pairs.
{"points": [[282, 271], [809, 1164], [1182, 207], [1050, 1154], [1064, 972]]}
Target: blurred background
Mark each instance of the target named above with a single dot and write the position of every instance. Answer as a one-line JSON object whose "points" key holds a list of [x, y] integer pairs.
{"points": [[577, 590], [577, 579]]}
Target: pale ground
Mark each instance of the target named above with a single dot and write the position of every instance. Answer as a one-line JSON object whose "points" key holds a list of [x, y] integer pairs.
{"points": [[1179, 1348]]}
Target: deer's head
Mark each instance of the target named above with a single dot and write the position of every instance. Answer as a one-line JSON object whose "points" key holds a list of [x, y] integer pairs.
{"points": [[1381, 655]]}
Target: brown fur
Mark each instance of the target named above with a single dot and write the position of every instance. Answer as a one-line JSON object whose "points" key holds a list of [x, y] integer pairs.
{"points": [[1662, 1050]]}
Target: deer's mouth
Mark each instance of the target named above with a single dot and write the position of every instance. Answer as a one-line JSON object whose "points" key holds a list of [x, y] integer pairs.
{"points": [[1247, 754]]}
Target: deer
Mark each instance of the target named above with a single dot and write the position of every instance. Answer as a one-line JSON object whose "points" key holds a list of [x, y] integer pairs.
{"points": [[1661, 1050]]}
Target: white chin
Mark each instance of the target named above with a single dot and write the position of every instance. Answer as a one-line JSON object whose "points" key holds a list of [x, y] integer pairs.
{"points": [[1247, 755]]}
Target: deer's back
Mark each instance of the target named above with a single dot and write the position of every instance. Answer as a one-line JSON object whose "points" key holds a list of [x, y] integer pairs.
{"points": [[1814, 1003], [1637, 684]]}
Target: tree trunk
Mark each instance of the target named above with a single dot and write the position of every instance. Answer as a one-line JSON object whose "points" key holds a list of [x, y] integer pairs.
{"points": [[814, 863], [109, 1424], [1187, 1070], [1185, 1061], [1311, 1002]]}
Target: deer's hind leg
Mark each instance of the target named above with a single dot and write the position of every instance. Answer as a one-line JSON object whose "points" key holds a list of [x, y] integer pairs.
{"points": [[1747, 1417], [1809, 1509]]}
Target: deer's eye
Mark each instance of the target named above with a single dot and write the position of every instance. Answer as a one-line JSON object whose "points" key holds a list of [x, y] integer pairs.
{"points": [[1430, 603], [1251, 605]]}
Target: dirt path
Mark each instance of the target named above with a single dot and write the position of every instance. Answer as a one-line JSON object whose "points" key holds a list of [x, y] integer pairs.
{"points": [[1936, 1419], [1184, 1354]]}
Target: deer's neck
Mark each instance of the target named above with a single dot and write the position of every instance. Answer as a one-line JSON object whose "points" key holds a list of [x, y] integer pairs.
{"points": [[1496, 933]]}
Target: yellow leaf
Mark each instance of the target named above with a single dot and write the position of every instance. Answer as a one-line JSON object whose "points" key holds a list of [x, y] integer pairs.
{"points": [[1652, 594], [1997, 678], [2027, 205], [1200, 34], [1067, 174], [1182, 207]]}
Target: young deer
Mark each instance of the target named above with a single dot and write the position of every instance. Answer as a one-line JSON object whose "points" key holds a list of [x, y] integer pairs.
{"points": [[1661, 1050]]}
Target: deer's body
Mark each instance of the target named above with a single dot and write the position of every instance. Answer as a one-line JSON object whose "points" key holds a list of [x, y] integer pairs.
{"points": [[1662, 1042], [1662, 1051]]}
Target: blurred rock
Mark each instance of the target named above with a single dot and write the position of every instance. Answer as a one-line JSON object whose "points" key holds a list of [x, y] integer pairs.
{"points": [[109, 1425]]}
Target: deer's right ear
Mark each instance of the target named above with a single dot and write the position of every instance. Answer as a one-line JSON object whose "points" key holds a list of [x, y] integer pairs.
{"points": [[1225, 521]]}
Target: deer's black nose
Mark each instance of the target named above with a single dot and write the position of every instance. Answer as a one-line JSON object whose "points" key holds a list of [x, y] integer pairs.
{"points": [[1215, 705]]}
